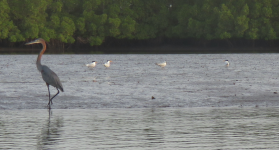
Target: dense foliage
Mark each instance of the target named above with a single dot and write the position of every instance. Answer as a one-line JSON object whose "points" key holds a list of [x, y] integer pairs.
{"points": [[92, 21]]}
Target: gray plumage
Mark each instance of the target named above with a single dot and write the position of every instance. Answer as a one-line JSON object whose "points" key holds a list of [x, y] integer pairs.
{"points": [[48, 75], [51, 78]]}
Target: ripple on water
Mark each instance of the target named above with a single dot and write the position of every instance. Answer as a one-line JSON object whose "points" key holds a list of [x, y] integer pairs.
{"points": [[150, 128]]}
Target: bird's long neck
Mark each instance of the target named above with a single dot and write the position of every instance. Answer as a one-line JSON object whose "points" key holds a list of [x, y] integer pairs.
{"points": [[38, 63]]}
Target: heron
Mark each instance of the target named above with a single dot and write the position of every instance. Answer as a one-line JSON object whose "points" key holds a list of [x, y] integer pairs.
{"points": [[163, 64], [227, 62], [107, 64], [48, 75], [93, 64]]}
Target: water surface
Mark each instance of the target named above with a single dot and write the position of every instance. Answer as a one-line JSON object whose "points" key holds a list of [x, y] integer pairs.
{"points": [[142, 128], [188, 80], [199, 103]]}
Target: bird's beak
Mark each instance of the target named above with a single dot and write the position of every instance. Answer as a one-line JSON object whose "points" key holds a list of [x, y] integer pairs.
{"points": [[32, 42], [28, 43]]}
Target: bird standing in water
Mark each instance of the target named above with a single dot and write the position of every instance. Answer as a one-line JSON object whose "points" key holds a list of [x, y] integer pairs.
{"points": [[91, 65], [48, 75], [107, 64], [163, 64], [227, 63]]}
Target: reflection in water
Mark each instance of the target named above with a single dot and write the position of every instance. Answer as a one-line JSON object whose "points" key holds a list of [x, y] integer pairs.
{"points": [[156, 128], [153, 127], [50, 132]]}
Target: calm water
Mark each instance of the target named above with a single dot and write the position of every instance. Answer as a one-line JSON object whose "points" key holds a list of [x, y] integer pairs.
{"points": [[187, 81], [199, 103], [147, 128]]}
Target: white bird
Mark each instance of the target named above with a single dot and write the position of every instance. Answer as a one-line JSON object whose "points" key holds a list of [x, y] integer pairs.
{"points": [[163, 64], [93, 64], [227, 62], [107, 64]]}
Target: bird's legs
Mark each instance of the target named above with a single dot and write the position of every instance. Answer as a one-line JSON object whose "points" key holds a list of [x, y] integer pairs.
{"points": [[48, 95], [50, 99], [53, 96]]}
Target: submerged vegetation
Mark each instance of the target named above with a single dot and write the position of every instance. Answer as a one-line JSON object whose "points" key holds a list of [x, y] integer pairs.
{"points": [[64, 23]]}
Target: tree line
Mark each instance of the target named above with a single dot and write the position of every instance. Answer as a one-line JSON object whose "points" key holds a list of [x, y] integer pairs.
{"points": [[94, 21]]}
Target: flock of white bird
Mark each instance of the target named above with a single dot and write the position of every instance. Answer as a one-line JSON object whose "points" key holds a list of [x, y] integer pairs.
{"points": [[107, 64], [94, 63], [163, 64]]}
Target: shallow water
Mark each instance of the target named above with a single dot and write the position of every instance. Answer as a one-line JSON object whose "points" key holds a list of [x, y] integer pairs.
{"points": [[199, 103], [188, 80], [142, 128]]}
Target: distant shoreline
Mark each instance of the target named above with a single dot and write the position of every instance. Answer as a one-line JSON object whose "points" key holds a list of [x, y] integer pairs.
{"points": [[140, 50]]}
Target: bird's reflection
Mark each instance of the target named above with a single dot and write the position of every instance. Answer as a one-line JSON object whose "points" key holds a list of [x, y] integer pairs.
{"points": [[50, 132], [154, 123]]}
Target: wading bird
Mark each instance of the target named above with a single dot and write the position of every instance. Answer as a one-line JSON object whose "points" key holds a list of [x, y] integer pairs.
{"points": [[162, 64], [227, 62], [48, 75], [107, 64], [93, 64]]}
